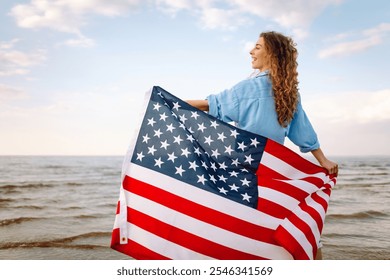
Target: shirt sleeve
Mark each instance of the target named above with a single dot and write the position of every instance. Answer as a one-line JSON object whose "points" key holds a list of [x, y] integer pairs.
{"points": [[301, 132], [224, 105]]}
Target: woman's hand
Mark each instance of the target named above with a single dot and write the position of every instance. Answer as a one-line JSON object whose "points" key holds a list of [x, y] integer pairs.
{"points": [[329, 165]]}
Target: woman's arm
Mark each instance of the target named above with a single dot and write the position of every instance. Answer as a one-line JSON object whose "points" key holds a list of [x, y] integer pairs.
{"points": [[200, 104], [331, 166]]}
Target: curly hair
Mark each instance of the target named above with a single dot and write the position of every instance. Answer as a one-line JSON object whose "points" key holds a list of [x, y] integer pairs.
{"points": [[282, 59]]}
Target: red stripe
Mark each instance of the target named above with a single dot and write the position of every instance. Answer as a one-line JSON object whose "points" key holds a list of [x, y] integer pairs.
{"points": [[290, 244], [133, 249], [283, 187], [304, 227], [185, 239], [118, 208], [198, 211], [292, 158], [273, 209]]}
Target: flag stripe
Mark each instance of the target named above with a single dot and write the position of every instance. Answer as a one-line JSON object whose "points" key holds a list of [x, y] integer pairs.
{"points": [[202, 229], [204, 198], [185, 239], [199, 212]]}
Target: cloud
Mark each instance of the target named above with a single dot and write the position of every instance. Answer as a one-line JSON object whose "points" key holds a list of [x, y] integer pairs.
{"points": [[16, 62], [8, 93], [68, 16], [291, 14], [357, 107], [370, 38]]}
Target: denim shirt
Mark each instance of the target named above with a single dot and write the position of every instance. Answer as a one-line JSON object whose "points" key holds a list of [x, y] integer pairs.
{"points": [[250, 104]]}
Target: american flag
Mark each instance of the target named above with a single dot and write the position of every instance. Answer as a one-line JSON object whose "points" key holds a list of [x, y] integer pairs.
{"points": [[194, 187]]}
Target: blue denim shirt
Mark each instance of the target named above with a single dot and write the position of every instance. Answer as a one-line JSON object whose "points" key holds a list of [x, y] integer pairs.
{"points": [[250, 104]]}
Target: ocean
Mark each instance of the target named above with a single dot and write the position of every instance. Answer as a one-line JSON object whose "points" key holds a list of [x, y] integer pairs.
{"points": [[63, 208]]}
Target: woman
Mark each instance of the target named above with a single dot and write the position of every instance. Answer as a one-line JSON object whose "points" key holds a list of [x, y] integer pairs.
{"points": [[269, 103]]}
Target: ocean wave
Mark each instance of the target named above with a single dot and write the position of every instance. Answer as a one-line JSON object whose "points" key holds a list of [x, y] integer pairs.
{"points": [[20, 220], [358, 215], [60, 242], [11, 187]]}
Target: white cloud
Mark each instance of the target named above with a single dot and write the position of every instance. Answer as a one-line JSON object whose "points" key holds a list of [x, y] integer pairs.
{"points": [[8, 93], [68, 16], [215, 18], [356, 107], [369, 38], [16, 62], [296, 15]]}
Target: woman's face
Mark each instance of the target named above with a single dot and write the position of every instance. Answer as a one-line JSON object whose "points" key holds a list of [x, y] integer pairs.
{"points": [[258, 54]]}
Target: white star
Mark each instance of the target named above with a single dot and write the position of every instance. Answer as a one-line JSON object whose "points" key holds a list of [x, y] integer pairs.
{"points": [[233, 174], [215, 153], [229, 150], [172, 157], [208, 140], [241, 146], [158, 162], [249, 159], [146, 139], [214, 124], [212, 178], [190, 138], [204, 164], [201, 179], [194, 115], [164, 144], [221, 136], [163, 117], [151, 150], [245, 182], [235, 162], [176, 105], [140, 156], [233, 187], [179, 170], [222, 178], [177, 139], [213, 166], [197, 151], [193, 165], [160, 94], [222, 166], [254, 142], [234, 133], [185, 152], [157, 133], [151, 122], [201, 127], [246, 197], [222, 190], [170, 128], [156, 106], [183, 118]]}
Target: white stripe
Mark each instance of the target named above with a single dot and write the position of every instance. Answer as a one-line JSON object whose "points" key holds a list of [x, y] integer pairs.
{"points": [[316, 206], [302, 185], [202, 197], [304, 216], [278, 197], [162, 246], [299, 237], [205, 230], [286, 169]]}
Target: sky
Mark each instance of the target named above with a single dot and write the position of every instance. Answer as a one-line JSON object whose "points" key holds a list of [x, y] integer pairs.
{"points": [[73, 74]]}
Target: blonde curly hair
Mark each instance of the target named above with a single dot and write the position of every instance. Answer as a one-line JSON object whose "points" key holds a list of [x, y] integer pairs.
{"points": [[282, 61]]}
